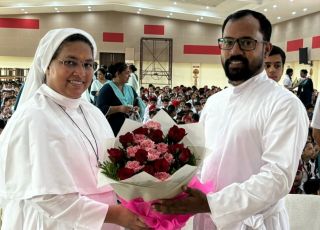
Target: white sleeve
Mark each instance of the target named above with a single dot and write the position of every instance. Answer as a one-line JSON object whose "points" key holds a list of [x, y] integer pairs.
{"points": [[286, 82], [70, 210], [315, 123], [284, 134]]}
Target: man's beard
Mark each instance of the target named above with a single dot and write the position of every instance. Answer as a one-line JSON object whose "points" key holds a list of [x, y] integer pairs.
{"points": [[241, 73]]}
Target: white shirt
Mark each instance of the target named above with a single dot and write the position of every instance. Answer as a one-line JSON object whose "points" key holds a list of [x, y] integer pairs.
{"points": [[256, 133], [287, 82], [48, 176], [315, 123], [133, 81]]}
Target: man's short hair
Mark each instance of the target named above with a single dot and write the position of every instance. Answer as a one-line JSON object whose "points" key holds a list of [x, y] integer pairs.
{"points": [[289, 71], [304, 71], [277, 50], [265, 25]]}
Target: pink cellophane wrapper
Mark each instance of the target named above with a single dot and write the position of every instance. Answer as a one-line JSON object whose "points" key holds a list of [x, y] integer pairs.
{"points": [[159, 221]]}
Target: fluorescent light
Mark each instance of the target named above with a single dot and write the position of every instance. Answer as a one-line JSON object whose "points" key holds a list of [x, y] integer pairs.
{"points": [[207, 7], [305, 9], [139, 9], [171, 14], [89, 7], [201, 18], [198, 19], [294, 12], [175, 3], [278, 17], [265, 10], [22, 9], [274, 6]]}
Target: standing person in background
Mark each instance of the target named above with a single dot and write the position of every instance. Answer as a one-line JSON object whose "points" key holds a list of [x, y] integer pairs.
{"points": [[254, 142], [305, 88], [51, 148], [98, 83], [287, 81], [274, 63], [118, 100], [133, 79]]}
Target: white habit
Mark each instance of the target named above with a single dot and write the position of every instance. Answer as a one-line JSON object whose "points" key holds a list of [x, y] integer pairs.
{"points": [[256, 133], [48, 178]]}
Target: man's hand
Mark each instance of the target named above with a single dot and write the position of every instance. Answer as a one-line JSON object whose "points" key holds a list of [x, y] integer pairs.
{"points": [[195, 202]]}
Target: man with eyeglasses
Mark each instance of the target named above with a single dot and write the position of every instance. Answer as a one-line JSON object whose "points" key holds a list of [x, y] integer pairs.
{"points": [[274, 63], [254, 131]]}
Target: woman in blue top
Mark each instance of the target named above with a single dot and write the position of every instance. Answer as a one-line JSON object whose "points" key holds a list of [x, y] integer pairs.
{"points": [[117, 100]]}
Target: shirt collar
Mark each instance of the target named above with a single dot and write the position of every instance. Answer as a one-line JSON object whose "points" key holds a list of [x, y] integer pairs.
{"points": [[248, 83]]}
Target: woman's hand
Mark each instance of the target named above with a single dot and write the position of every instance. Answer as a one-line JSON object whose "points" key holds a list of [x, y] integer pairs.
{"points": [[125, 109], [118, 214]]}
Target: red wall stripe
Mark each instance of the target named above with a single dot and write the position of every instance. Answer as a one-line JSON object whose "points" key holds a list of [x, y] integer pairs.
{"points": [[112, 37], [294, 45], [197, 49], [19, 23], [154, 29], [315, 42]]}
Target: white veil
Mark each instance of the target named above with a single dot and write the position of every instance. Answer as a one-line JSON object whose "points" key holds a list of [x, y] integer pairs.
{"points": [[46, 49]]}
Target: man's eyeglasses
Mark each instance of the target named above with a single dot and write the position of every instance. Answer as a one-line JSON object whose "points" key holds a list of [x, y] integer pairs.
{"points": [[245, 44], [73, 64]]}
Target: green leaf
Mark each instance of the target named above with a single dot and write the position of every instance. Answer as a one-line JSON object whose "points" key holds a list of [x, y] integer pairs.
{"points": [[109, 169]]}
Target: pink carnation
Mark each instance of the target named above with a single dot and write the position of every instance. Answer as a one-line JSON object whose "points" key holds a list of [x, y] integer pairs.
{"points": [[153, 154], [162, 175], [131, 151], [138, 138], [134, 165], [152, 125], [147, 144], [169, 158], [162, 147]]}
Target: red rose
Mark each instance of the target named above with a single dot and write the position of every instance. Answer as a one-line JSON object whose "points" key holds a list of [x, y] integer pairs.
{"points": [[115, 155], [175, 148], [125, 173], [185, 155], [148, 169], [141, 155], [176, 134], [126, 140], [161, 165], [141, 130], [156, 135]]}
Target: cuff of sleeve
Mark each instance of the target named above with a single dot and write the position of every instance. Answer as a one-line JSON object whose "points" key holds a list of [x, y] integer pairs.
{"points": [[94, 214]]}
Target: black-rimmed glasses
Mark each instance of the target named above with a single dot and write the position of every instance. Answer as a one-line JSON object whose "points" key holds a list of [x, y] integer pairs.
{"points": [[245, 44], [73, 64]]}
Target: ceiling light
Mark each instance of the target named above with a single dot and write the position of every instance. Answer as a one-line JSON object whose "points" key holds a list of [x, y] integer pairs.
{"points": [[171, 14], [175, 3], [22, 9], [291, 0], [89, 7], [139, 9], [198, 19], [201, 18], [305, 9], [265, 10], [278, 17], [294, 12], [207, 7], [138, 12], [274, 6], [168, 16], [25, 12], [56, 8]]}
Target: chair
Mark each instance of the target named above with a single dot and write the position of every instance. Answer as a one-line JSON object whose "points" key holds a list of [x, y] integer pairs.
{"points": [[303, 211]]}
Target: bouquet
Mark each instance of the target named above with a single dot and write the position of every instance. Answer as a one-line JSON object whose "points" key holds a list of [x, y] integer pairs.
{"points": [[153, 161]]}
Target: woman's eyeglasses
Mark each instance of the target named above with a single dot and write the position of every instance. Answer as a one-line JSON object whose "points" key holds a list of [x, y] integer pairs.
{"points": [[73, 64]]}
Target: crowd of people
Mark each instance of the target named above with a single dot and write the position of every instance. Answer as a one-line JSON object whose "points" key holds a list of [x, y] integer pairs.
{"points": [[258, 134]]}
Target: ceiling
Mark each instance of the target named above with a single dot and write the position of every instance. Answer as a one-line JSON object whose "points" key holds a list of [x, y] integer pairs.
{"points": [[206, 11]]}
